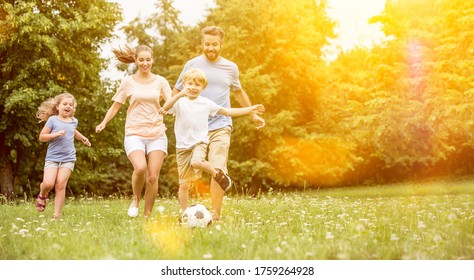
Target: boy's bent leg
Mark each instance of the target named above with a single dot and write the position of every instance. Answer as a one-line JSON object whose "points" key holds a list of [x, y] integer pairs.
{"points": [[218, 152], [198, 160]]}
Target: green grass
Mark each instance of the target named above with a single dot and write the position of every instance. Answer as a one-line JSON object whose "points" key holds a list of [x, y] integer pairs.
{"points": [[407, 221]]}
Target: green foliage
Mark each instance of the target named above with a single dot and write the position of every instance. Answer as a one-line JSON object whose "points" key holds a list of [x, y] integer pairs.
{"points": [[407, 105], [401, 110]]}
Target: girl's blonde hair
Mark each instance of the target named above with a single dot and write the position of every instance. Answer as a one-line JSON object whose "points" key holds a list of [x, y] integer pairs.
{"points": [[128, 54], [50, 106], [195, 74]]}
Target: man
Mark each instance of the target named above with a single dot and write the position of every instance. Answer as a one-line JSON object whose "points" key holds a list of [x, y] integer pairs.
{"points": [[223, 78]]}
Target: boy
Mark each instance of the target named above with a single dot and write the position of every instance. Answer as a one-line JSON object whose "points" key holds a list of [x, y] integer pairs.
{"points": [[191, 129]]}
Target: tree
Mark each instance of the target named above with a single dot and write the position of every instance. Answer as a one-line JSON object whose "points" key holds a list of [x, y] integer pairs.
{"points": [[46, 47], [278, 48]]}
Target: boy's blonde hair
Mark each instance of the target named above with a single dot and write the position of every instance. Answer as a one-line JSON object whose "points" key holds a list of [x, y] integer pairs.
{"points": [[195, 74], [49, 107]]}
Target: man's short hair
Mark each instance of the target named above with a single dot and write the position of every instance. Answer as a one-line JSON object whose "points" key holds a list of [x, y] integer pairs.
{"points": [[213, 30]]}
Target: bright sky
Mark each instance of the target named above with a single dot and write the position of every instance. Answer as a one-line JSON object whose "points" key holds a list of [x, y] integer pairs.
{"points": [[353, 28], [352, 15]]}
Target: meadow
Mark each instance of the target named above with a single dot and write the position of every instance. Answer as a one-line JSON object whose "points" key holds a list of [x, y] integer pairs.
{"points": [[429, 221]]}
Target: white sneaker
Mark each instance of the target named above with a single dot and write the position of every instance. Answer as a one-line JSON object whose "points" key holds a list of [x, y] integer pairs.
{"points": [[133, 212]]}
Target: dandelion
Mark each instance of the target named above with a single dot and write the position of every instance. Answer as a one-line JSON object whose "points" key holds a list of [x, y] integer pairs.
{"points": [[343, 256], [160, 209], [329, 235], [452, 217], [437, 238]]}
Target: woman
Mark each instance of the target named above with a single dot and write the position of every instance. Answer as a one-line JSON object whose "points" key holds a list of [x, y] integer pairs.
{"points": [[145, 139]]}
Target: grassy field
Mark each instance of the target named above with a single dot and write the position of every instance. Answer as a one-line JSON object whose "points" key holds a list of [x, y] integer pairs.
{"points": [[431, 221]]}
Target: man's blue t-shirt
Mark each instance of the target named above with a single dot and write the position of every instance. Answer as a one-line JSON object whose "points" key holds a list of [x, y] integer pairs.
{"points": [[61, 149]]}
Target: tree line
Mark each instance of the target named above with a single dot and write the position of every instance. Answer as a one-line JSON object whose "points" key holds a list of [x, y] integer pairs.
{"points": [[398, 111]]}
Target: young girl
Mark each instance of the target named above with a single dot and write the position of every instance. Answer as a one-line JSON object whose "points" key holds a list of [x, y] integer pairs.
{"points": [[60, 131], [145, 140]]}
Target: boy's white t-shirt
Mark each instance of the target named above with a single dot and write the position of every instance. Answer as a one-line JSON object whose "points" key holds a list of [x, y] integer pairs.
{"points": [[191, 123]]}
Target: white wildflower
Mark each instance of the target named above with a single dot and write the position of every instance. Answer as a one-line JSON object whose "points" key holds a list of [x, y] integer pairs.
{"points": [[278, 250], [359, 228], [160, 209], [20, 219], [452, 217], [207, 256], [329, 235]]}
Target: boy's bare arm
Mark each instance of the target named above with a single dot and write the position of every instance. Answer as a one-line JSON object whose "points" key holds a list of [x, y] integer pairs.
{"points": [[170, 102], [235, 112]]}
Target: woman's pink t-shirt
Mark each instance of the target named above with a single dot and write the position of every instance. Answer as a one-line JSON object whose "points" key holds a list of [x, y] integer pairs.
{"points": [[143, 117]]}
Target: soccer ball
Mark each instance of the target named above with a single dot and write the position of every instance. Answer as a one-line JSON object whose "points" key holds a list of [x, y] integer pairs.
{"points": [[196, 216]]}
